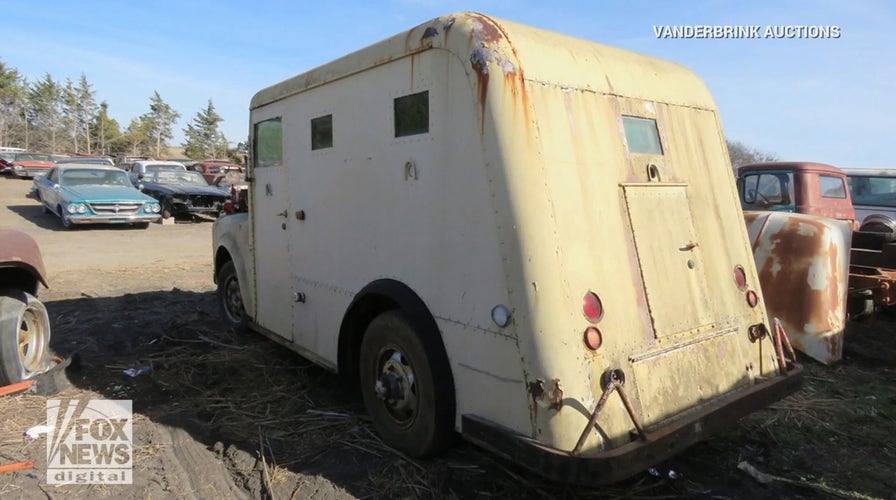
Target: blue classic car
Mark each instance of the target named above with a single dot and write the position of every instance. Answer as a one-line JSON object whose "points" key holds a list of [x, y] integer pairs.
{"points": [[94, 194]]}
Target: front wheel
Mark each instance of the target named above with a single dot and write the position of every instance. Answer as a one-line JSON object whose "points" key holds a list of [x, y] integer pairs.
{"points": [[230, 297], [407, 386], [24, 336], [66, 222], [167, 212]]}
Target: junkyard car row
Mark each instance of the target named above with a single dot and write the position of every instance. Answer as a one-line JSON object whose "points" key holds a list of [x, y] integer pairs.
{"points": [[136, 191]]}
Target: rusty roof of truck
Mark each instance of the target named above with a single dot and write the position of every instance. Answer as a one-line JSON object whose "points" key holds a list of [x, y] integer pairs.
{"points": [[792, 165], [533, 54]]}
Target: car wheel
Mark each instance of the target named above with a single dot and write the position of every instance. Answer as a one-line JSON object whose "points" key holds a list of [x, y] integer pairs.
{"points": [[24, 336], [230, 297], [407, 386], [66, 222], [166, 209]]}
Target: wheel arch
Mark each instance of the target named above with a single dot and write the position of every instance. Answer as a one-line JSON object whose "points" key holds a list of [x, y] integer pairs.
{"points": [[374, 299]]}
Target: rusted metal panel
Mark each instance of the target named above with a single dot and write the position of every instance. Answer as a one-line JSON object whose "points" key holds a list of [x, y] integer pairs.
{"points": [[803, 264], [18, 249]]}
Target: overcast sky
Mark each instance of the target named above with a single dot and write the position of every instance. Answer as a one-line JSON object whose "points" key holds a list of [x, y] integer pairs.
{"points": [[821, 99]]}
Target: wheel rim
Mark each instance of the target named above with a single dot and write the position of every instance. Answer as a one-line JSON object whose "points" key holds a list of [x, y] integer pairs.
{"points": [[33, 341], [233, 300], [396, 386]]}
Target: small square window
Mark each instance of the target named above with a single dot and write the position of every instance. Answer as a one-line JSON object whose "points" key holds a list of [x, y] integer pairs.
{"points": [[322, 132], [641, 135], [412, 114], [831, 187]]}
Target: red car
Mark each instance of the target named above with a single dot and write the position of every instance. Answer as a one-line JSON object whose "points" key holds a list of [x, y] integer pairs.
{"points": [[30, 164], [211, 170]]}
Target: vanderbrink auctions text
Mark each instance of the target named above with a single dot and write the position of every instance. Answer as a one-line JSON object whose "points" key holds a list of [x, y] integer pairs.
{"points": [[750, 31]]}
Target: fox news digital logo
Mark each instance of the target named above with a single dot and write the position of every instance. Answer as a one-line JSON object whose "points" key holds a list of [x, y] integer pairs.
{"points": [[90, 441]]}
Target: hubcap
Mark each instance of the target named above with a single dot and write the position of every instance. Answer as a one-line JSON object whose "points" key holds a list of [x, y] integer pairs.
{"points": [[233, 300], [33, 341], [396, 386]]}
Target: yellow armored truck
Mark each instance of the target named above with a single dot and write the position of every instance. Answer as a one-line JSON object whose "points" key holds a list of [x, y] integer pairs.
{"points": [[526, 239]]}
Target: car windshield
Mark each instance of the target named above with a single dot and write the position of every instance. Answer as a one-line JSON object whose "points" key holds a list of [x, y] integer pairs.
{"points": [[179, 177], [155, 167], [871, 190], [95, 177], [32, 157], [92, 161], [230, 178]]}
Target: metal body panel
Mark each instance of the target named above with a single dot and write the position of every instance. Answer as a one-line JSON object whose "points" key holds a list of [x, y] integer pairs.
{"points": [[516, 195], [803, 264], [18, 250]]}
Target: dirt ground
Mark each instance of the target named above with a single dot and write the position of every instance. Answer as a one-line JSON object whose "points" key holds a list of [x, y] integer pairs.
{"points": [[227, 415]]}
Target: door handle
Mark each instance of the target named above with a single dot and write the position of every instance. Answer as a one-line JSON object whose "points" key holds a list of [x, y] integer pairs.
{"points": [[283, 214]]}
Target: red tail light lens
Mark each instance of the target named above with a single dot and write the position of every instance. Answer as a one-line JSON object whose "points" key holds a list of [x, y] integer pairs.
{"points": [[228, 207], [592, 307], [740, 277], [752, 298], [593, 339]]}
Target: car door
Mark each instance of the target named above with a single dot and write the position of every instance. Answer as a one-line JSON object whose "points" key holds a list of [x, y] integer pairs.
{"points": [[270, 223], [49, 189]]}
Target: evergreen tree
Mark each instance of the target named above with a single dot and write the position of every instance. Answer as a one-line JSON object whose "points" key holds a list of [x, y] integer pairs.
{"points": [[44, 113], [86, 109], [12, 100], [161, 119], [203, 139]]}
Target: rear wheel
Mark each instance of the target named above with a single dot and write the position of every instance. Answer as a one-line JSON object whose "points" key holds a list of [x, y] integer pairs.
{"points": [[407, 386], [24, 336], [43, 206]]}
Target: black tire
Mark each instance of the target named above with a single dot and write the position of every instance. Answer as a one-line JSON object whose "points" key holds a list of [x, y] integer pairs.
{"points": [[166, 209], [407, 386], [230, 297], [24, 336], [66, 223]]}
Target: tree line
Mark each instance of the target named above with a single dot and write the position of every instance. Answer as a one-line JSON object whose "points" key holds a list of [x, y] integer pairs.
{"points": [[64, 116]]}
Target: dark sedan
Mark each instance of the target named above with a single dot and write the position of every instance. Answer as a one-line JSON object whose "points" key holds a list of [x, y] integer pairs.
{"points": [[183, 193]]}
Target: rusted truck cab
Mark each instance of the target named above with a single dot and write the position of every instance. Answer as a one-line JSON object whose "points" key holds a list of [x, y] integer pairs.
{"points": [[799, 219], [800, 187]]}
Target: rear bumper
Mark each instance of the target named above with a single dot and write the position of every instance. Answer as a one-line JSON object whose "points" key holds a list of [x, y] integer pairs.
{"points": [[609, 466], [113, 219], [30, 172]]}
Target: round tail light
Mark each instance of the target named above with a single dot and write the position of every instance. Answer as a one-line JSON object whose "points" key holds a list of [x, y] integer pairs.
{"points": [[593, 339], [592, 307], [740, 277], [752, 298]]}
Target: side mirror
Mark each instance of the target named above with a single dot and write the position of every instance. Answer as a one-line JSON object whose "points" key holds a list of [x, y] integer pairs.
{"points": [[140, 176]]}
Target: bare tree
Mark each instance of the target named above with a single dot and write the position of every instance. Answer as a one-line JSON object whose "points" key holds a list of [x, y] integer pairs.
{"points": [[742, 154]]}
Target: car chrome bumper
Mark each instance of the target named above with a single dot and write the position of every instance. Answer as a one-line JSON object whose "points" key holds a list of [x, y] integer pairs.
{"points": [[598, 467], [33, 172], [112, 219]]}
